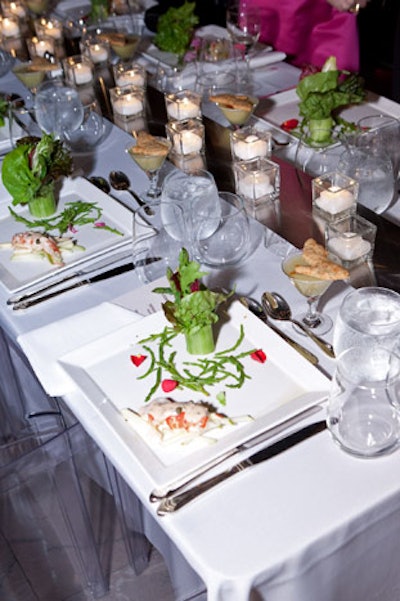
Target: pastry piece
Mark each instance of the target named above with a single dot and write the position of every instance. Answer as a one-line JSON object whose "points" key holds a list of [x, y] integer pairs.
{"points": [[149, 145], [318, 265], [233, 101]]}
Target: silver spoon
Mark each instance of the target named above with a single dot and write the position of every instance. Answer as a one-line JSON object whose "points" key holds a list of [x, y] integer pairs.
{"points": [[278, 308], [120, 181], [256, 308], [101, 183]]}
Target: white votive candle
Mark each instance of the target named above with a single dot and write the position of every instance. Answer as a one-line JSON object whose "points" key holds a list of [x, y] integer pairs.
{"points": [[53, 31], [130, 78], [17, 9], [98, 53], [183, 109], [349, 246], [255, 185], [251, 147], [43, 46], [9, 27], [128, 105], [187, 142], [82, 74], [334, 200]]}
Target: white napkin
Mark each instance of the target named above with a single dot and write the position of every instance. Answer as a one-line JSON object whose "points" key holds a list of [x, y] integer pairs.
{"points": [[44, 346], [266, 57]]}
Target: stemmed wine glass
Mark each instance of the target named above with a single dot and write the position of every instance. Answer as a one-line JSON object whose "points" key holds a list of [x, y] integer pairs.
{"points": [[58, 108], [149, 153], [244, 26], [312, 288]]}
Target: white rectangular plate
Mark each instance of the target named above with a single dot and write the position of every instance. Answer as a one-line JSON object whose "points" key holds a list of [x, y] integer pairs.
{"points": [[278, 389], [285, 105], [16, 275]]}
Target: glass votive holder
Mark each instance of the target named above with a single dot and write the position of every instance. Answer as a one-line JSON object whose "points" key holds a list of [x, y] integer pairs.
{"points": [[183, 105], [248, 143], [186, 137], [351, 239], [51, 28], [78, 70], [334, 195], [96, 51], [129, 73], [128, 102], [13, 8], [258, 181], [41, 47], [9, 27]]}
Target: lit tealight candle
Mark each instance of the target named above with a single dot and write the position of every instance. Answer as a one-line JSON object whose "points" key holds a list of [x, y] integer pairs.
{"points": [[349, 246], [17, 9], [53, 30], [187, 142], [43, 46], [82, 74], [128, 105], [9, 27], [334, 200], [182, 109], [255, 185], [250, 148], [130, 78], [98, 53]]}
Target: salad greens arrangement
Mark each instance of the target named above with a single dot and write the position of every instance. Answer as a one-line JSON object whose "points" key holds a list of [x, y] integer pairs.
{"points": [[193, 310], [322, 93], [175, 29], [3, 110], [30, 170]]}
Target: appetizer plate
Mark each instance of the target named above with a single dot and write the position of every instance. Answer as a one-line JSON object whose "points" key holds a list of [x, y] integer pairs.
{"points": [[281, 387], [16, 275], [285, 105]]}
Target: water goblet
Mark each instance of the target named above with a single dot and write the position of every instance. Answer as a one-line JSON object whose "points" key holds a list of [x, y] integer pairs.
{"points": [[310, 287], [373, 170], [149, 153], [384, 132], [154, 249], [363, 407], [244, 26], [58, 108], [216, 65], [318, 151], [91, 131]]}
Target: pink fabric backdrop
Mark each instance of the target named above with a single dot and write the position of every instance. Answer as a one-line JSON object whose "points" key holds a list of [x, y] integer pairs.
{"points": [[309, 31]]}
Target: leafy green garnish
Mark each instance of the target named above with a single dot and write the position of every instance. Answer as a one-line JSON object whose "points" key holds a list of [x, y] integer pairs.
{"points": [[194, 305], [224, 367], [175, 28], [75, 213], [323, 92], [32, 165], [3, 110]]}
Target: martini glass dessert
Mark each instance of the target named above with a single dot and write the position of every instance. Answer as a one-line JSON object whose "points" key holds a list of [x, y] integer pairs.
{"points": [[236, 108], [32, 73], [311, 272], [150, 152]]}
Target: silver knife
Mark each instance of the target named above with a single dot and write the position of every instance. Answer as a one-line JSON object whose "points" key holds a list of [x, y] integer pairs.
{"points": [[172, 504]]}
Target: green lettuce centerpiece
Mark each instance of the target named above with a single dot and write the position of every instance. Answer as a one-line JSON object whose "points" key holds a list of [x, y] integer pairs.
{"points": [[175, 29], [322, 93], [30, 170], [192, 311]]}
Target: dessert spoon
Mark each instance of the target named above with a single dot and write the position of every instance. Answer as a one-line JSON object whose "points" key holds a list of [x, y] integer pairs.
{"points": [[276, 307], [120, 181]]}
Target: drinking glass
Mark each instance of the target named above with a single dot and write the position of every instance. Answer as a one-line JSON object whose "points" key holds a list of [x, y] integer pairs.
{"points": [[90, 132], [31, 74], [21, 121], [318, 153], [244, 26], [216, 65], [196, 192], [236, 108], [58, 108], [369, 317], [384, 132], [154, 249], [363, 407], [150, 159], [373, 170], [229, 242], [310, 287]]}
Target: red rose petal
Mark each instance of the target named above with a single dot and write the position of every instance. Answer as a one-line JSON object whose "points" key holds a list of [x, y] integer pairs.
{"points": [[259, 356], [138, 359], [289, 124], [168, 385]]}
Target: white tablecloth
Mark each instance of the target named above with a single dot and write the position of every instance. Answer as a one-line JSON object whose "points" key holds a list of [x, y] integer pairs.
{"points": [[310, 524]]}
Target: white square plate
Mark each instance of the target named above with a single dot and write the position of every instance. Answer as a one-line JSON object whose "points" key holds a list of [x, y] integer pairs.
{"points": [[278, 389], [16, 275]]}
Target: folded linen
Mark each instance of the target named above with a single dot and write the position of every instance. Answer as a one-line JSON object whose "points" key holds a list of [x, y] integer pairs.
{"points": [[46, 345]]}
